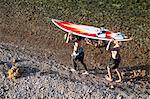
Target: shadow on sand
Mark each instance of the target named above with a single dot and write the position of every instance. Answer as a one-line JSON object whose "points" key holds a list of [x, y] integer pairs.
{"points": [[29, 71], [47, 72], [136, 73], [129, 73]]}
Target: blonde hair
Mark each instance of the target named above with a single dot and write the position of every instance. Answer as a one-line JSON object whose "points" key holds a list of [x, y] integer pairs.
{"points": [[116, 42]]}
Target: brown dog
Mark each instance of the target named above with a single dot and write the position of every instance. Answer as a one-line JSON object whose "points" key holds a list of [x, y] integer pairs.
{"points": [[14, 73]]}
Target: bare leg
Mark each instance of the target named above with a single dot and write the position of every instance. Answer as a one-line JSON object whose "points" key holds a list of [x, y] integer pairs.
{"points": [[109, 77], [119, 75]]}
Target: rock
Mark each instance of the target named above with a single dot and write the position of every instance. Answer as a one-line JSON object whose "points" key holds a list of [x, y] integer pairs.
{"points": [[1, 92], [112, 87]]}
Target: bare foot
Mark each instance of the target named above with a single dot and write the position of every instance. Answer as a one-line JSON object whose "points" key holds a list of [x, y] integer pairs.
{"points": [[108, 78], [118, 80]]}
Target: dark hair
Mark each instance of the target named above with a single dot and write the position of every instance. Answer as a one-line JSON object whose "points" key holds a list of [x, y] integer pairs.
{"points": [[79, 38]]}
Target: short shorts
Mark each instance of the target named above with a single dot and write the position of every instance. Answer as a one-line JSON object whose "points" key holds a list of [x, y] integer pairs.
{"points": [[114, 63]]}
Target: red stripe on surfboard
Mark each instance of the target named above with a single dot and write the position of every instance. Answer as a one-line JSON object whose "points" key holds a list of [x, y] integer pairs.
{"points": [[64, 22], [108, 34], [74, 29]]}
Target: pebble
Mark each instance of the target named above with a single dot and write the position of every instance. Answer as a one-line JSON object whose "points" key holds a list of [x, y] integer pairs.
{"points": [[1, 91]]}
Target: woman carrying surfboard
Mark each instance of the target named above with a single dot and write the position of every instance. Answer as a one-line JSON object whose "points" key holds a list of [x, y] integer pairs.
{"points": [[78, 52], [114, 62]]}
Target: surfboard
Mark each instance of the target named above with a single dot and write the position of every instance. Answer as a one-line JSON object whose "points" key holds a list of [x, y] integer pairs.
{"points": [[90, 31]]}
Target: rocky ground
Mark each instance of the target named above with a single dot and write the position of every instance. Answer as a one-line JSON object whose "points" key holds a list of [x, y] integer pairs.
{"points": [[44, 78]]}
